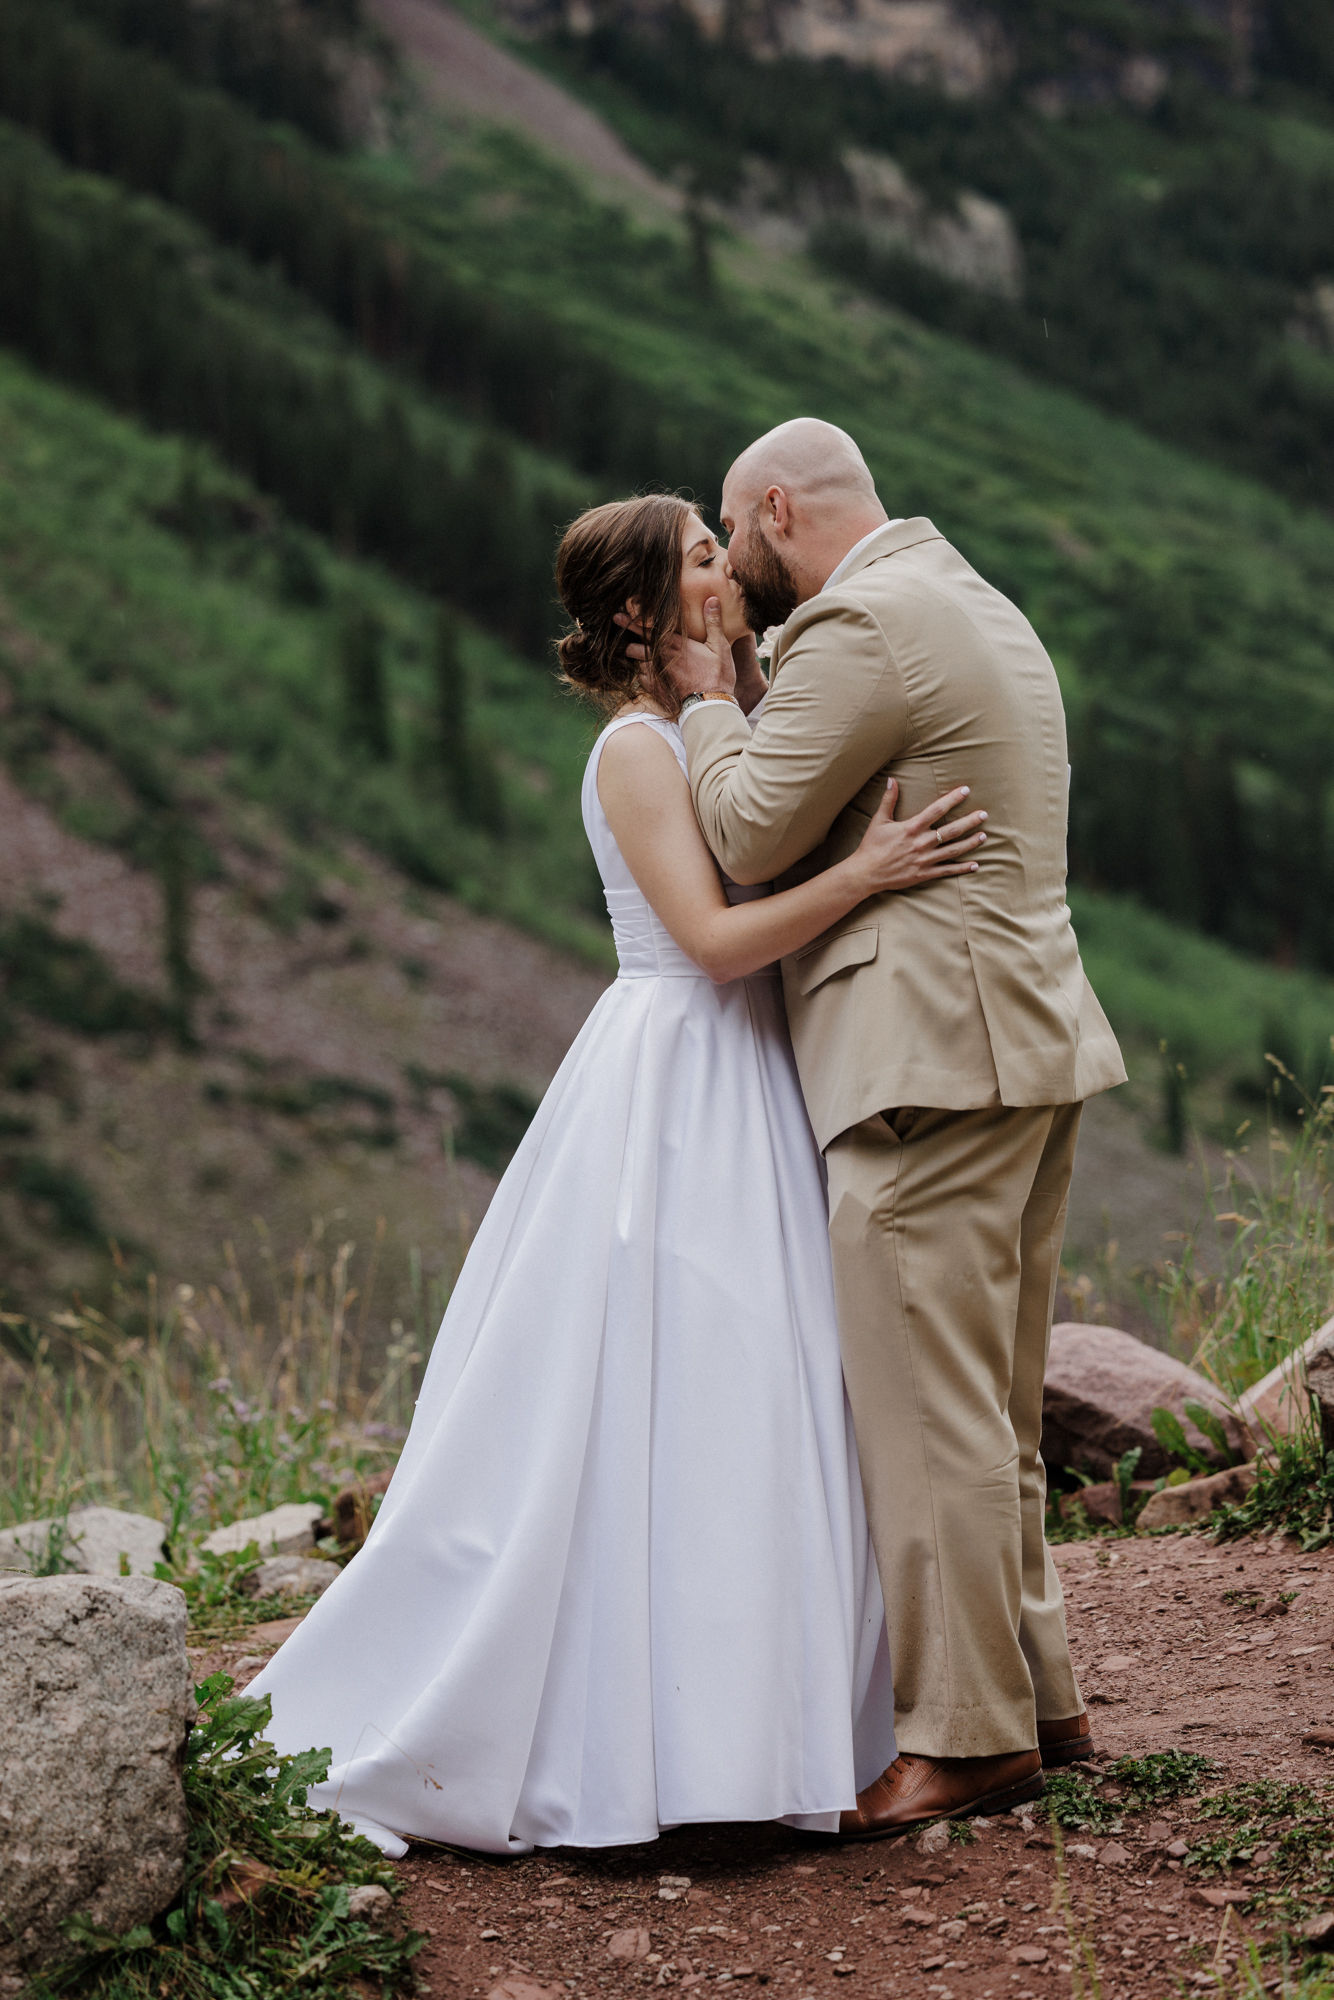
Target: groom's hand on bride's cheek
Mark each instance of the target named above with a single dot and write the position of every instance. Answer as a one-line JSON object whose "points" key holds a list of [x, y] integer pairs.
{"points": [[694, 666]]}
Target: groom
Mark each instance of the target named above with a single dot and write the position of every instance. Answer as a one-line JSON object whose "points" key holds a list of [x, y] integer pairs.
{"points": [[945, 1040]]}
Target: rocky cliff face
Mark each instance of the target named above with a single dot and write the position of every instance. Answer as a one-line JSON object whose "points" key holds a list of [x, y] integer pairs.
{"points": [[962, 48]]}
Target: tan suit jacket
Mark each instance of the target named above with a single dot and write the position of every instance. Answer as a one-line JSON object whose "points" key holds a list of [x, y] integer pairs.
{"points": [[963, 993]]}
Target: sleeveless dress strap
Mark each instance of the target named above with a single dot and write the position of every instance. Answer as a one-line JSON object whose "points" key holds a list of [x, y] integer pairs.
{"points": [[657, 723]]}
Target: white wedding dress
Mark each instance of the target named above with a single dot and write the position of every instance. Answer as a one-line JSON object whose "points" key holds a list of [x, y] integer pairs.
{"points": [[622, 1578]]}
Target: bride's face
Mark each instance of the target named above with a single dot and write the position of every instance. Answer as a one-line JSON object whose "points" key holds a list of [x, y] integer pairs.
{"points": [[705, 573]]}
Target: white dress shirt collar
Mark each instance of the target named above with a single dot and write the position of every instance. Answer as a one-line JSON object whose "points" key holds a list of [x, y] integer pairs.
{"points": [[856, 549]]}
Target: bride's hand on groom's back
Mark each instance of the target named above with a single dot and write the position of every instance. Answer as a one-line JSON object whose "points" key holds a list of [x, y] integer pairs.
{"points": [[902, 854]]}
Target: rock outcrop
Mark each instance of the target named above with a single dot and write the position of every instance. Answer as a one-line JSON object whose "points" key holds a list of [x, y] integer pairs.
{"points": [[88, 1541], [959, 49], [1101, 1390], [974, 241], [95, 1691]]}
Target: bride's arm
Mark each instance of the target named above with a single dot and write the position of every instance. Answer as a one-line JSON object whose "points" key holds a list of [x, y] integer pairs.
{"points": [[647, 802]]}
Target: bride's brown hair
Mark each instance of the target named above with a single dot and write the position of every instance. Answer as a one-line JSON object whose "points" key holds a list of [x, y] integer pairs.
{"points": [[625, 549]]}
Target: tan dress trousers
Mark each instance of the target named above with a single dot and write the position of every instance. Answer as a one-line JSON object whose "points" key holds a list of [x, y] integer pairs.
{"points": [[946, 1229]]}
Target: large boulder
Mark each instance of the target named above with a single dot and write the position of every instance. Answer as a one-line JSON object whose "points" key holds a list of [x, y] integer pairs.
{"points": [[96, 1697], [1101, 1390], [90, 1541]]}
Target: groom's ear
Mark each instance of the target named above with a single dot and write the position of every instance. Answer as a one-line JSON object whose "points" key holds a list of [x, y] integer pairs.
{"points": [[631, 619], [779, 509]]}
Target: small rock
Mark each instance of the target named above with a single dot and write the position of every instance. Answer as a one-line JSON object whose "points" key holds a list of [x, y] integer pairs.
{"points": [[1175, 1506], [1318, 1931], [1157, 1831], [491, 1937], [1114, 1855], [370, 1901], [352, 1509], [953, 1930], [516, 1987], [249, 1663], [90, 1541], [1218, 1899], [671, 1888], [933, 1839], [933, 1964], [1083, 1850], [274, 1630], [1028, 1954], [283, 1531], [912, 1915], [1319, 1739], [290, 1576], [1178, 1850], [628, 1944], [1118, 1663], [1099, 1503]]}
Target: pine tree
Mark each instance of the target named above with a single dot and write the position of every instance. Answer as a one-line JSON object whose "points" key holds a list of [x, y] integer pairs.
{"points": [[361, 671], [175, 874], [467, 766]]}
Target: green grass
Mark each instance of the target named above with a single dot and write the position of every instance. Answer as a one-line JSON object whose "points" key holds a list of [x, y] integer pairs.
{"points": [[270, 1901], [1274, 1215], [202, 1408], [1078, 1803]]}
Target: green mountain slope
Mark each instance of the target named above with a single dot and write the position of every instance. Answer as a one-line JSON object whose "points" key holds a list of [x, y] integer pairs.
{"points": [[1189, 612], [172, 620], [1173, 213]]}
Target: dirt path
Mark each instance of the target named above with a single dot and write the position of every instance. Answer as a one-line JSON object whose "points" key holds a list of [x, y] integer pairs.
{"points": [[1180, 1644], [461, 69]]}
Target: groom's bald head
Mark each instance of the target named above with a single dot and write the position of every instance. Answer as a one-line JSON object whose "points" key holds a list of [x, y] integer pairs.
{"points": [[793, 504], [813, 462]]}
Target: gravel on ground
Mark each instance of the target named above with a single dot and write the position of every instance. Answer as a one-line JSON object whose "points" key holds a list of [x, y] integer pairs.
{"points": [[1223, 1649]]}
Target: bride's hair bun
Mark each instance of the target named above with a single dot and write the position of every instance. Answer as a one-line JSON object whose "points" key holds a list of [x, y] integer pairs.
{"points": [[625, 551], [573, 653]]}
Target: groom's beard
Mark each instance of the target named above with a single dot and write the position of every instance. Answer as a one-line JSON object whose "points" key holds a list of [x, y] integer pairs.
{"points": [[768, 587]]}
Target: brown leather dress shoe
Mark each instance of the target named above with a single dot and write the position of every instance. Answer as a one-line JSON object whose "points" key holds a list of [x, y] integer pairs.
{"points": [[1066, 1742], [914, 1791]]}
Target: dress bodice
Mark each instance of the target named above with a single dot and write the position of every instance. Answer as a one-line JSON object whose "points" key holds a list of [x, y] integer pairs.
{"points": [[645, 948]]}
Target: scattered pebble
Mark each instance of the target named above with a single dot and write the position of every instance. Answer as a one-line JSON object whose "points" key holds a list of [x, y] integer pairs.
{"points": [[628, 1944], [369, 1900]]}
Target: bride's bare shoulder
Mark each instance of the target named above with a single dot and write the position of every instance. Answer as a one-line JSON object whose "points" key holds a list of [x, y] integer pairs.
{"points": [[639, 757]]}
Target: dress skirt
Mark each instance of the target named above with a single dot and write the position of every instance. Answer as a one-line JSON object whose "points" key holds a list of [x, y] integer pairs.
{"points": [[622, 1578]]}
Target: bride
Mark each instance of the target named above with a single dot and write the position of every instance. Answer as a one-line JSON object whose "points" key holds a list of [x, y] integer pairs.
{"points": [[622, 1578]]}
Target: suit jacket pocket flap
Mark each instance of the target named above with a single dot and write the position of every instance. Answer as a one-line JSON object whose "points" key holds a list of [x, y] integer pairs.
{"points": [[820, 961]]}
